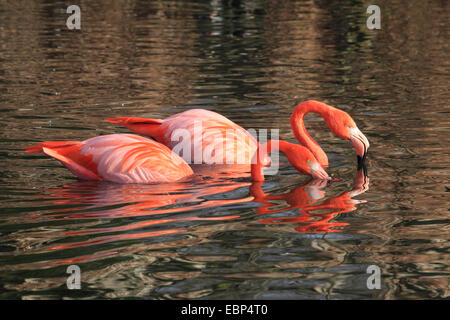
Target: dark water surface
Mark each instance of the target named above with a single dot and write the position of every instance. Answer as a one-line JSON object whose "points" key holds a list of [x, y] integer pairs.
{"points": [[223, 237]]}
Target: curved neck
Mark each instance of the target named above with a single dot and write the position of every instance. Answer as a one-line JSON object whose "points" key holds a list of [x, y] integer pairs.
{"points": [[298, 127], [262, 152]]}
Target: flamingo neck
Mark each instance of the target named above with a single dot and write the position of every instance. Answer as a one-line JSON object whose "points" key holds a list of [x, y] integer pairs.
{"points": [[298, 127], [262, 152]]}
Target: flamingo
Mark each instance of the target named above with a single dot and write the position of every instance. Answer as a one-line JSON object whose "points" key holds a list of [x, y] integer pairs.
{"points": [[339, 122], [298, 156], [214, 126], [212, 138], [121, 158]]}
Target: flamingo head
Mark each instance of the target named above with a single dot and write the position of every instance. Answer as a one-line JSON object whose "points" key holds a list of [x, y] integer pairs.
{"points": [[316, 170], [304, 161], [342, 124], [300, 157]]}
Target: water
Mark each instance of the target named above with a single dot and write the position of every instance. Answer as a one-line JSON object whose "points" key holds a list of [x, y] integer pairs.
{"points": [[221, 237]]}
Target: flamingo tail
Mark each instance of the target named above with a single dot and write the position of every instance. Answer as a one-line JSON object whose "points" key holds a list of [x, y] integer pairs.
{"points": [[67, 152], [50, 145], [143, 126]]}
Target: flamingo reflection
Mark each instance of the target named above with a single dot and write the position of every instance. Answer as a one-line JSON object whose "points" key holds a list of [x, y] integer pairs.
{"points": [[109, 200], [179, 202], [316, 217]]}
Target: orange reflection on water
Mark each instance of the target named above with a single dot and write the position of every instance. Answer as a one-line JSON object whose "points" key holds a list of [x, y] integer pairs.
{"points": [[95, 201], [305, 199], [110, 200]]}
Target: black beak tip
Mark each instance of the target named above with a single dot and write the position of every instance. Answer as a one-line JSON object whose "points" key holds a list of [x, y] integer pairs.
{"points": [[361, 161], [362, 164]]}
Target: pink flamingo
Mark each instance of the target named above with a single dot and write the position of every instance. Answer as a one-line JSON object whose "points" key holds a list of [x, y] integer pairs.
{"points": [[339, 122], [122, 158], [214, 129]]}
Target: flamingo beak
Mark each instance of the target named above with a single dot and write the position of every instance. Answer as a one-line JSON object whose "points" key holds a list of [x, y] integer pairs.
{"points": [[360, 143]]}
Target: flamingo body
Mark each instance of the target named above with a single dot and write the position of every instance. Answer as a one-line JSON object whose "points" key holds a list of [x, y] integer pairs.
{"points": [[212, 137], [121, 158]]}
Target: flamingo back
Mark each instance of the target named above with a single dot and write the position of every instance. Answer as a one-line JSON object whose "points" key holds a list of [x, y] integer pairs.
{"points": [[122, 158]]}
